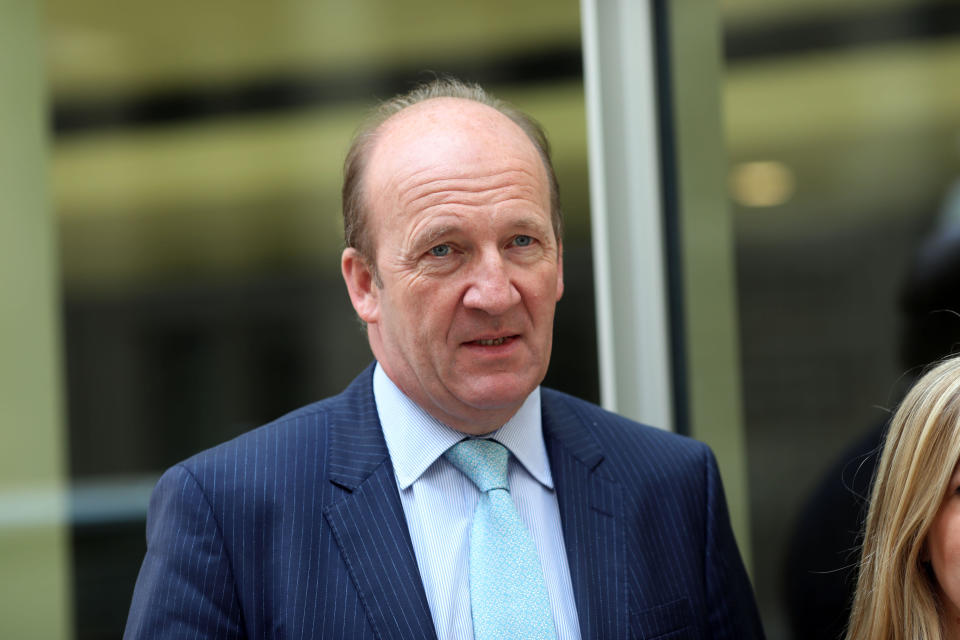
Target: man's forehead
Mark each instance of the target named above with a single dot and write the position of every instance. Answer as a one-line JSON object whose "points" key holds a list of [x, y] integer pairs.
{"points": [[449, 134], [456, 125]]}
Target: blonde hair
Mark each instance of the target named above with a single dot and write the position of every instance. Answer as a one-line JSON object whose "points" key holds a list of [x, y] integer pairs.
{"points": [[896, 596]]}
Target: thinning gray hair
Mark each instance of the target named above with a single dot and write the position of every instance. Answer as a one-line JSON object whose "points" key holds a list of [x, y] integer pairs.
{"points": [[355, 232]]}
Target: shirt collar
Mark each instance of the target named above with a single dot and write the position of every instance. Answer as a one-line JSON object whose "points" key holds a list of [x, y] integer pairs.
{"points": [[416, 439]]}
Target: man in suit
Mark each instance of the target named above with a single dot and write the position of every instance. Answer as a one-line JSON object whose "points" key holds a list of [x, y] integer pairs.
{"points": [[444, 494]]}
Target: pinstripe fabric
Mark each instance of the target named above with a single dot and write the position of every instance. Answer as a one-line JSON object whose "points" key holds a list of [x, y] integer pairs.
{"points": [[648, 536], [295, 530], [285, 532], [439, 502]]}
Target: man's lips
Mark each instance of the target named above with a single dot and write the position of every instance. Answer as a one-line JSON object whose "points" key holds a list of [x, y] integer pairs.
{"points": [[493, 341]]}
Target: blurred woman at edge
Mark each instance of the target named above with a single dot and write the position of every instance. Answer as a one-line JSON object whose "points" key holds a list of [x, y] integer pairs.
{"points": [[909, 582]]}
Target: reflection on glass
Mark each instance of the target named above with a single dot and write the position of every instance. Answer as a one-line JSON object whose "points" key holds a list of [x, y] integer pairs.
{"points": [[761, 183], [858, 106]]}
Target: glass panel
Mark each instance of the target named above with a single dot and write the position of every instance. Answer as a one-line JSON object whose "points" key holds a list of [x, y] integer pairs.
{"points": [[34, 532], [842, 123], [196, 169]]}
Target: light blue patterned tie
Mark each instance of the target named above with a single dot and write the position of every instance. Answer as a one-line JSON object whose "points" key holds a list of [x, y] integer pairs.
{"points": [[508, 594]]}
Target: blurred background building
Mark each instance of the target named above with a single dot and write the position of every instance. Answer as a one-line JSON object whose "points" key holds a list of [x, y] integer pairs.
{"points": [[172, 236]]}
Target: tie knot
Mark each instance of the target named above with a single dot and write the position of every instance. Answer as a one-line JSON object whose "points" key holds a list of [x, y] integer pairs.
{"points": [[483, 461]]}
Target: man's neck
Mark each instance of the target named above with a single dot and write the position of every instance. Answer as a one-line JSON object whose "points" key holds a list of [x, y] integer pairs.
{"points": [[468, 420]]}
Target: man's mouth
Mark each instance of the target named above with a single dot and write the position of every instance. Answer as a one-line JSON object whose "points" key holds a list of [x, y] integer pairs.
{"points": [[492, 342]]}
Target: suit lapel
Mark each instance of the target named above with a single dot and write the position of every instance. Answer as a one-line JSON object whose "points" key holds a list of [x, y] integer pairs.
{"points": [[371, 530], [368, 522], [591, 515]]}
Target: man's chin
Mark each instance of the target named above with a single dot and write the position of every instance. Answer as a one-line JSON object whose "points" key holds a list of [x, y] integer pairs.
{"points": [[498, 392]]}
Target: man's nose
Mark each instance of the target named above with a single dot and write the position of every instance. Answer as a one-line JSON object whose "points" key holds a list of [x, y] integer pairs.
{"points": [[491, 288]]}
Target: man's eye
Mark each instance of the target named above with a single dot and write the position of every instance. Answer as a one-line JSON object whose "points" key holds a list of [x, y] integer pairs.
{"points": [[522, 241], [440, 250]]}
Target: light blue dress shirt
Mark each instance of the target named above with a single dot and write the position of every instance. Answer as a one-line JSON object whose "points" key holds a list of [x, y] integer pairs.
{"points": [[438, 502]]}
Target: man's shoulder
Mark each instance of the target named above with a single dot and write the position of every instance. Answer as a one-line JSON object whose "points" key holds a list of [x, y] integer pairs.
{"points": [[602, 421], [623, 441], [300, 434]]}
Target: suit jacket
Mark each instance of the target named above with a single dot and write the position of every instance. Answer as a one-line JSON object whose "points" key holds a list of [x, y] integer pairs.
{"points": [[296, 530]]}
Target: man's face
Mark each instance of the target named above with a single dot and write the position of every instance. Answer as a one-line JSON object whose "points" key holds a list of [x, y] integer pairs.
{"points": [[469, 265]]}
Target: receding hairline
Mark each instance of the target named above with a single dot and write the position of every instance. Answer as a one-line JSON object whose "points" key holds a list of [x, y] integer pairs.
{"points": [[355, 209], [386, 138]]}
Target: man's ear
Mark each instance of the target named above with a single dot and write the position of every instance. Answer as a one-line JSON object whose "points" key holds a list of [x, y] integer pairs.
{"points": [[559, 271], [361, 285]]}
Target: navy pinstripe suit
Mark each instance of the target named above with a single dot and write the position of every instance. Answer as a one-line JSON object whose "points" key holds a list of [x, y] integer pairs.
{"points": [[295, 530]]}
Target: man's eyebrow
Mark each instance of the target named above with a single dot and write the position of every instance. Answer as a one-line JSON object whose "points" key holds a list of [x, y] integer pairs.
{"points": [[432, 234], [533, 224]]}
